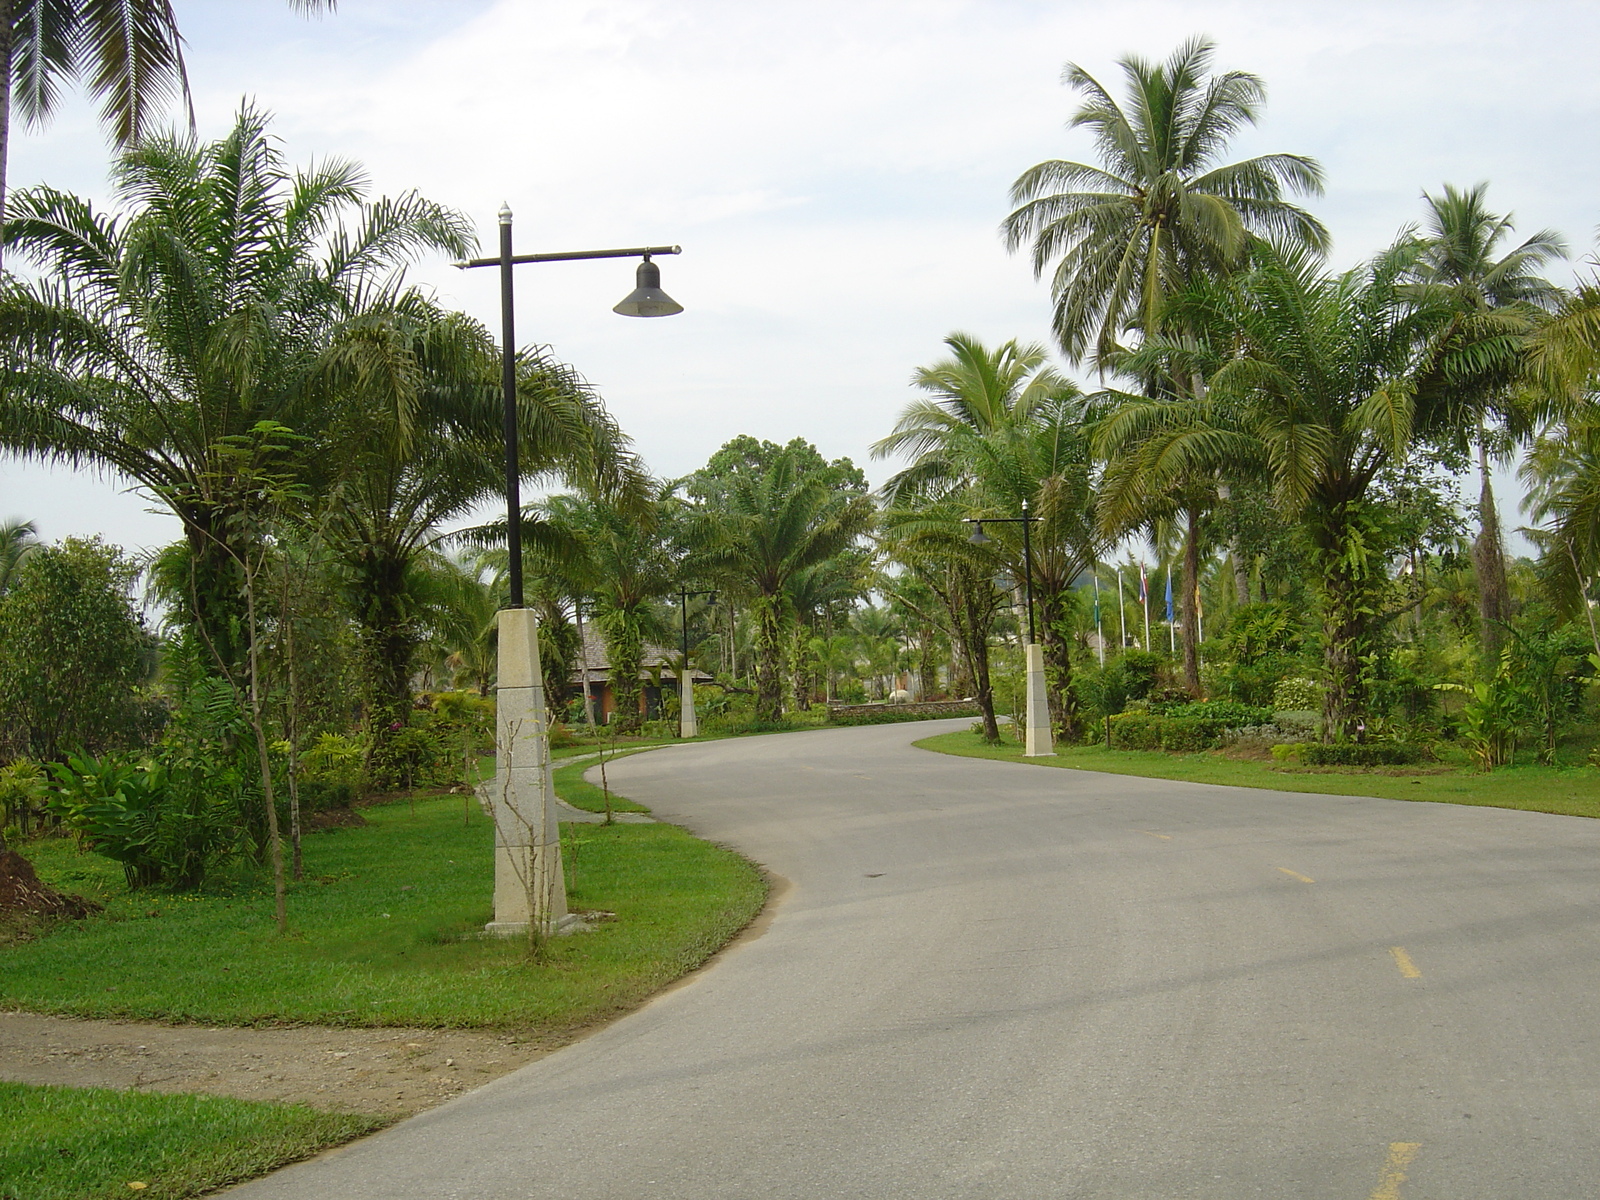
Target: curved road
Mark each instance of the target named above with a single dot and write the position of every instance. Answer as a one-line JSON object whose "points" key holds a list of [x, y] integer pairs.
{"points": [[999, 981]]}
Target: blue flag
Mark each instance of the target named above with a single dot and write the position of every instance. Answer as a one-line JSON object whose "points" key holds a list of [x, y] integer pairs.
{"points": [[1169, 595]]}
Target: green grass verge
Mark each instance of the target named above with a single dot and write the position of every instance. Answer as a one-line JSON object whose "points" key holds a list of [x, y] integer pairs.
{"points": [[577, 791], [1572, 791], [59, 1143], [384, 931]]}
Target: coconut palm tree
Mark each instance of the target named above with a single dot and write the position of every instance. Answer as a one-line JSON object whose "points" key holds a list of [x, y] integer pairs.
{"points": [[128, 53], [229, 292], [1162, 205], [1497, 295]]}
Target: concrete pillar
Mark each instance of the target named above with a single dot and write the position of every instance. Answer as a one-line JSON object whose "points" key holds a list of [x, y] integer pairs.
{"points": [[688, 723], [528, 883], [1037, 741]]}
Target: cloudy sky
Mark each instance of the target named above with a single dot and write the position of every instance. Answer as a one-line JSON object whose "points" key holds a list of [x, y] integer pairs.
{"points": [[835, 171]]}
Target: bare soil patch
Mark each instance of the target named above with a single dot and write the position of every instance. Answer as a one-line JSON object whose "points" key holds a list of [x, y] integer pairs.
{"points": [[394, 1072]]}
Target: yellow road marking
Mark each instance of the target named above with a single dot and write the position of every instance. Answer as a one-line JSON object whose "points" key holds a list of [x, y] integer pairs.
{"points": [[1165, 837], [1394, 1170], [1296, 875], [1408, 969]]}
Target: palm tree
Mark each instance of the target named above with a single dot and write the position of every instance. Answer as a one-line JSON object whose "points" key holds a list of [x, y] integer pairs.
{"points": [[17, 540], [1322, 387], [622, 556], [766, 526], [1162, 206], [230, 293], [128, 52], [1495, 297], [834, 654], [931, 545], [1000, 429], [405, 481]]}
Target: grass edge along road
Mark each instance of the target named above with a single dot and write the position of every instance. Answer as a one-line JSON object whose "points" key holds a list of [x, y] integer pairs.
{"points": [[1568, 791], [60, 1143]]}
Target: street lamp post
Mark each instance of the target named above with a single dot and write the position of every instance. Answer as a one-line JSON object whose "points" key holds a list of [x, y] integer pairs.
{"points": [[1037, 739], [688, 724], [529, 891]]}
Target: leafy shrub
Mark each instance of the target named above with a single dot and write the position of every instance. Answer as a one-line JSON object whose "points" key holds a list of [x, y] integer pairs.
{"points": [[22, 796], [1362, 754], [1136, 731], [1189, 733], [165, 825], [73, 652], [335, 761], [1223, 712], [1273, 733], [318, 795], [1297, 694]]}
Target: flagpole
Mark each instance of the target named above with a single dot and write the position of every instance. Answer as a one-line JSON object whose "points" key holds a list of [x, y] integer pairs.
{"points": [[1122, 613], [1172, 626], [1144, 600]]}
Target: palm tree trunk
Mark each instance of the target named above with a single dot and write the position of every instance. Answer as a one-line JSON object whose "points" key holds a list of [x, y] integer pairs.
{"points": [[1350, 598], [1489, 561], [769, 660], [1058, 666], [798, 682], [7, 22], [1191, 601], [625, 652]]}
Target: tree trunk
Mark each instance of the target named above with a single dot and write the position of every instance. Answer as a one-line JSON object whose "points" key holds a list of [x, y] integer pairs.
{"points": [[626, 653], [769, 660], [1058, 666], [927, 669], [798, 683], [1351, 595], [7, 25], [1191, 602], [1489, 562]]}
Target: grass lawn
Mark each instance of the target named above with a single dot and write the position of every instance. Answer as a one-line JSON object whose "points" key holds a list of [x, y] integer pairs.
{"points": [[577, 791], [60, 1143], [383, 931], [1574, 791]]}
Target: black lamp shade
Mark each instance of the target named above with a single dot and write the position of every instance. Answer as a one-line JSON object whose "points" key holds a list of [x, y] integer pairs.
{"points": [[978, 538], [648, 300]]}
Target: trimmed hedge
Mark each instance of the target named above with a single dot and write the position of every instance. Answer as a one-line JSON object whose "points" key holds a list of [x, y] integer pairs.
{"points": [[891, 716], [1146, 731], [1362, 754]]}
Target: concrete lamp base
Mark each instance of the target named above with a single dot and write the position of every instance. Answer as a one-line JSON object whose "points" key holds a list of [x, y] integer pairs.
{"points": [[528, 884], [688, 726], [1037, 739]]}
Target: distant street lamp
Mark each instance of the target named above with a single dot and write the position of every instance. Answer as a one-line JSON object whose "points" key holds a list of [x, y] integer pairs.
{"points": [[1037, 739], [529, 891], [688, 725]]}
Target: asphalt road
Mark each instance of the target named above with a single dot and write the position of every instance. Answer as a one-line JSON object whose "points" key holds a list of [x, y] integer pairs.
{"points": [[990, 980]]}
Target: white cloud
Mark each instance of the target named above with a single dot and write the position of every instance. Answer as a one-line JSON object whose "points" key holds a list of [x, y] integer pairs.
{"points": [[836, 170]]}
